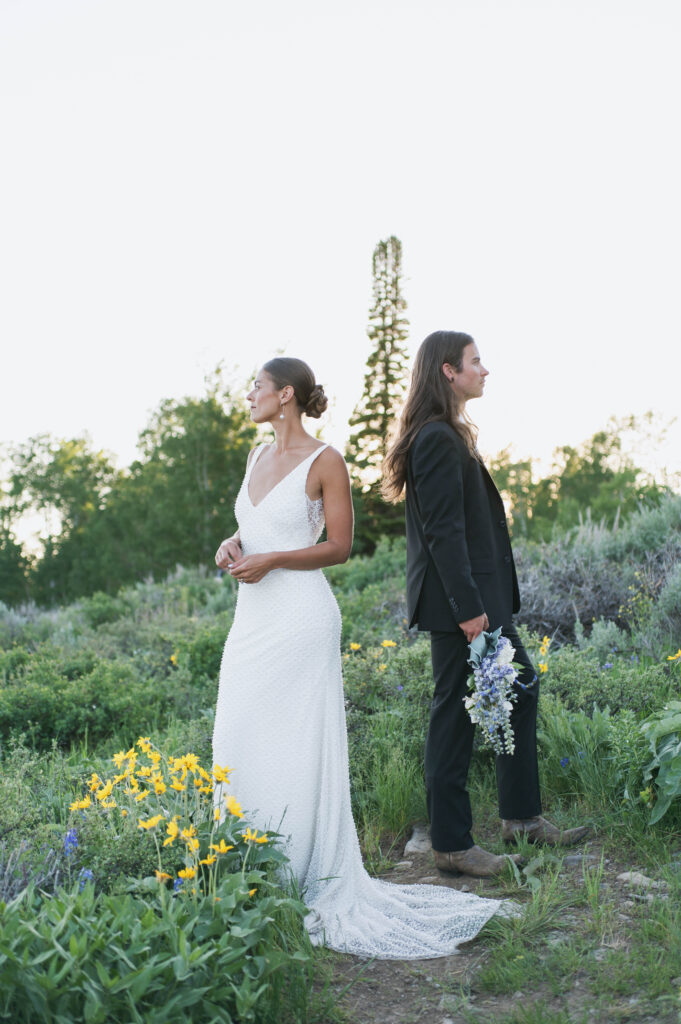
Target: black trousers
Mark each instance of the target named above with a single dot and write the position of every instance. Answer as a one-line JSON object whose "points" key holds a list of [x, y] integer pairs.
{"points": [[450, 743]]}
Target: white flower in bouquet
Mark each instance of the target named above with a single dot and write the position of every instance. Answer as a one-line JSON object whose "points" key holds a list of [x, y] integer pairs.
{"points": [[505, 651]]}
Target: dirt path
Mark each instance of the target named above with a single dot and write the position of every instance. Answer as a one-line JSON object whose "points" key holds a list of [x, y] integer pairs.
{"points": [[409, 992], [443, 991]]}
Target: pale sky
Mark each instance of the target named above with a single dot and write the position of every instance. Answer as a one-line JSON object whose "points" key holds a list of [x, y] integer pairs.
{"points": [[187, 183]]}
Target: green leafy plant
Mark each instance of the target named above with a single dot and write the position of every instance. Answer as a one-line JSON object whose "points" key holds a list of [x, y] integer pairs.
{"points": [[663, 732], [80, 956]]}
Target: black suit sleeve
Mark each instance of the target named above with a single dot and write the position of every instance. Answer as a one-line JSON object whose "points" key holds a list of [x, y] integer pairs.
{"points": [[437, 473]]}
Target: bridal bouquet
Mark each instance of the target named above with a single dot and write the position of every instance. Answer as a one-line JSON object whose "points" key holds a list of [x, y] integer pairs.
{"points": [[492, 696]]}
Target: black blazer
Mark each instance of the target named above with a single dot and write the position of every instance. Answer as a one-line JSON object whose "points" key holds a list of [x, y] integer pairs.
{"points": [[459, 558]]}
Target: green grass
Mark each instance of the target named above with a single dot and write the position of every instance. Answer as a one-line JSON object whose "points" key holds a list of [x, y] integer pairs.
{"points": [[584, 941]]}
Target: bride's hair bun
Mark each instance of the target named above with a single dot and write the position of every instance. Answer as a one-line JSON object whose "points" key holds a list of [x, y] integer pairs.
{"points": [[316, 403], [310, 397]]}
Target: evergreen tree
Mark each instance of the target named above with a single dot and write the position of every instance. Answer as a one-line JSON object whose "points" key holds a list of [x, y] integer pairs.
{"points": [[385, 384]]}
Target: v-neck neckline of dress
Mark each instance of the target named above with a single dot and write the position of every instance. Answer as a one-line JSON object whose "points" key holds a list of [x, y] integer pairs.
{"points": [[285, 477]]}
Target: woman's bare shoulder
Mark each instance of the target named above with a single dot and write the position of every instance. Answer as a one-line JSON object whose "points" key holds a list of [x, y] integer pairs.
{"points": [[331, 460]]}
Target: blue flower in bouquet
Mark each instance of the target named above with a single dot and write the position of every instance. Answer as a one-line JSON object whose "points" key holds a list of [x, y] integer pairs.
{"points": [[492, 695]]}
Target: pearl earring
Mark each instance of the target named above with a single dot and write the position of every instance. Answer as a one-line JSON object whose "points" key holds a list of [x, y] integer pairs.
{"points": [[281, 414]]}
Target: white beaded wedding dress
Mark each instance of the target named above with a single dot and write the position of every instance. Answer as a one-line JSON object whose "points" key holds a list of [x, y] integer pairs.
{"points": [[280, 726]]}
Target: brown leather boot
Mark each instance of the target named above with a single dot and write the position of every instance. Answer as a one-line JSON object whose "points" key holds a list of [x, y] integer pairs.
{"points": [[539, 830], [475, 861]]}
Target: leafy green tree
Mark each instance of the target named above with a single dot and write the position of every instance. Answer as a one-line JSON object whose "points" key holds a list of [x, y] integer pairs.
{"points": [[171, 507], [13, 568], [514, 480], [598, 478], [68, 484], [385, 385], [193, 454], [63, 479]]}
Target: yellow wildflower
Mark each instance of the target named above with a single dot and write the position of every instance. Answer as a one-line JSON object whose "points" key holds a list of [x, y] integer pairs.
{"points": [[546, 640], [388, 643], [188, 833], [216, 814], [543, 666], [155, 757], [119, 758], [173, 658], [119, 778], [144, 772], [252, 892], [176, 784], [674, 657], [190, 762], [80, 805], [382, 667], [207, 790], [131, 755], [221, 847], [144, 743], [108, 804], [251, 835], [187, 873], [220, 774], [142, 795], [105, 792], [233, 807], [95, 782], [133, 785], [150, 822], [203, 773], [159, 785], [355, 647], [210, 859], [124, 813], [172, 831], [162, 876]]}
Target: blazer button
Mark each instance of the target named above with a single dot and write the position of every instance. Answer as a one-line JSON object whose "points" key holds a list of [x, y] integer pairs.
{"points": [[502, 522], [507, 558]]}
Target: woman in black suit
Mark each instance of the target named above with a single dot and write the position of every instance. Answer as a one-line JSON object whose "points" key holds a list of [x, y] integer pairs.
{"points": [[461, 580]]}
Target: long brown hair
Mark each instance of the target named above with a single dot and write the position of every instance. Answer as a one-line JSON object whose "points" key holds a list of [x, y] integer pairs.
{"points": [[430, 398]]}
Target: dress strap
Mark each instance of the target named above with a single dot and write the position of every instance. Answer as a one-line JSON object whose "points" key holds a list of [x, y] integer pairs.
{"points": [[316, 452], [257, 452]]}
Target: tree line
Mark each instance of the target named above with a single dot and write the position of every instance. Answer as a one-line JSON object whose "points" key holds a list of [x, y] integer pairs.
{"points": [[106, 527]]}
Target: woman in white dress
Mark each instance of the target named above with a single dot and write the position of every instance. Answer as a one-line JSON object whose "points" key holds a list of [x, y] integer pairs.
{"points": [[280, 718]]}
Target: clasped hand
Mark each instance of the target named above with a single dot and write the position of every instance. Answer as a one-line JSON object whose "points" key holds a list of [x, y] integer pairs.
{"points": [[474, 627], [245, 569]]}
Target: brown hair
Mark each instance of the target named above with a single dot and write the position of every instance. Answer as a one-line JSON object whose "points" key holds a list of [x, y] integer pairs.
{"points": [[310, 396], [430, 398]]}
